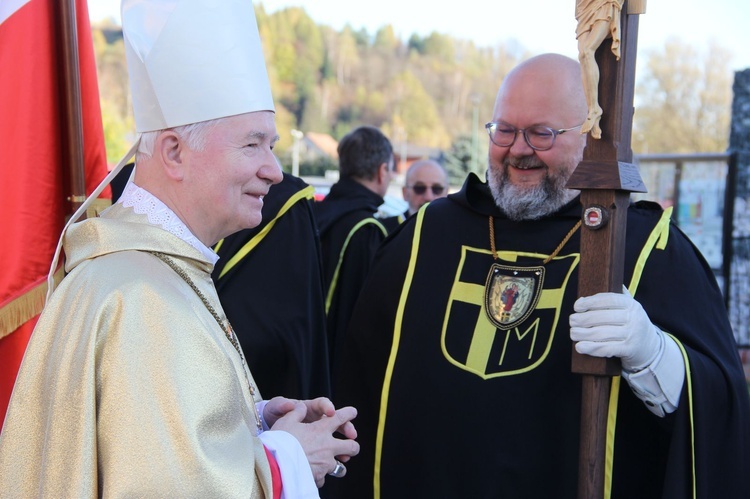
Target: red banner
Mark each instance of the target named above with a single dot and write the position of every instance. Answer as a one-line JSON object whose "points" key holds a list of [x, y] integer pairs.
{"points": [[32, 162]]}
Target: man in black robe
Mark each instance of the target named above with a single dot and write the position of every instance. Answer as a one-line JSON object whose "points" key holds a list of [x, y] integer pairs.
{"points": [[270, 283], [458, 351], [425, 181], [349, 232]]}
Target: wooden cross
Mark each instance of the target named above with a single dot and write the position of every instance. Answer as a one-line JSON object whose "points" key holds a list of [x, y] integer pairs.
{"points": [[606, 176]]}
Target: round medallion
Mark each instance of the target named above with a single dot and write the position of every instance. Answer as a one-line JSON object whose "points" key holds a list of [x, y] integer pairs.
{"points": [[595, 217]]}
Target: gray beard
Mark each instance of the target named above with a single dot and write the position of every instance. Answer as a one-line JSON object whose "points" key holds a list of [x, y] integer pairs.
{"points": [[529, 203]]}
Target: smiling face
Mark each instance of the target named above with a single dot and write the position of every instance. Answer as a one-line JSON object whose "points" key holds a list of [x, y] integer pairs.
{"points": [[545, 90], [225, 182]]}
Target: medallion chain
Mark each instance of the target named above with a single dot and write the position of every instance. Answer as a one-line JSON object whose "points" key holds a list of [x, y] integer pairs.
{"points": [[546, 260]]}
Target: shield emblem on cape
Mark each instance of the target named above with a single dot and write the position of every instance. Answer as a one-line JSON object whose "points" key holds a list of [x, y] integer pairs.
{"points": [[487, 337]]}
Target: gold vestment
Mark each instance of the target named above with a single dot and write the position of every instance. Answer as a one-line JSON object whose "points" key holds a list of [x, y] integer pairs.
{"points": [[129, 387]]}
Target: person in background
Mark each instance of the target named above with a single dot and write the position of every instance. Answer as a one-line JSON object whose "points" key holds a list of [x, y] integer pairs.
{"points": [[425, 181], [349, 232], [458, 351], [270, 283], [133, 383]]}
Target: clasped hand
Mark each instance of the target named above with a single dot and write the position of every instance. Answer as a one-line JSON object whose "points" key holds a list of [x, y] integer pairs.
{"points": [[615, 325], [313, 423]]}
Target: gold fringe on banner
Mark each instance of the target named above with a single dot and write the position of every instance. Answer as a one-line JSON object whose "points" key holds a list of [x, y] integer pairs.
{"points": [[18, 312]]}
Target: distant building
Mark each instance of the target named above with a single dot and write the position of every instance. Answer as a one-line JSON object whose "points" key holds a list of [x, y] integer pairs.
{"points": [[315, 146], [406, 154]]}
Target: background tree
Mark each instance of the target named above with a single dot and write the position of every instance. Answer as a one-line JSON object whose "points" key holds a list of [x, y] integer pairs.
{"points": [[118, 131], [112, 74], [683, 100], [432, 91], [458, 159], [413, 112]]}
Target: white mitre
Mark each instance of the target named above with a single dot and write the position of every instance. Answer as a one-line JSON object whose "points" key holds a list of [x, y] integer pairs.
{"points": [[193, 60], [188, 61]]}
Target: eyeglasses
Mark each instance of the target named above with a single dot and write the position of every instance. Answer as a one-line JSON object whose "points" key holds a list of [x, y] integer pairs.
{"points": [[538, 137], [420, 189]]}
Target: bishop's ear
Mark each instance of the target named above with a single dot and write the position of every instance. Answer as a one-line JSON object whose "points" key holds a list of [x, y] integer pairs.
{"points": [[170, 147]]}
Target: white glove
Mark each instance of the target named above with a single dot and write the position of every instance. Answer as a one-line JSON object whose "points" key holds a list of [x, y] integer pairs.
{"points": [[615, 325]]}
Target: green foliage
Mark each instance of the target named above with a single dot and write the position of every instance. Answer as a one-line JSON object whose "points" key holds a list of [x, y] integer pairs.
{"points": [[317, 167], [457, 160], [434, 90], [296, 49], [416, 43], [118, 135], [683, 100], [441, 47], [386, 40], [285, 123], [114, 93], [466, 156], [415, 114]]}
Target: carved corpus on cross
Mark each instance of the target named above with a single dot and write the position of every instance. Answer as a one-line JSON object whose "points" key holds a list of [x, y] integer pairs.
{"points": [[605, 177]]}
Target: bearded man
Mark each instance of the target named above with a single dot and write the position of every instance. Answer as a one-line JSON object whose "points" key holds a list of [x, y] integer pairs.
{"points": [[458, 354]]}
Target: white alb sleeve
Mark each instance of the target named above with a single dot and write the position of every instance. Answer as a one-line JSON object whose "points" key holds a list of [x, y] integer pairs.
{"points": [[296, 476], [659, 384]]}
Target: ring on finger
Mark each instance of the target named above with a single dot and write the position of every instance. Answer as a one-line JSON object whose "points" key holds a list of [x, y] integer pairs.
{"points": [[339, 470]]}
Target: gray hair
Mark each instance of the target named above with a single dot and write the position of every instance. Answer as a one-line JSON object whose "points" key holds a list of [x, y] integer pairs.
{"points": [[194, 134]]}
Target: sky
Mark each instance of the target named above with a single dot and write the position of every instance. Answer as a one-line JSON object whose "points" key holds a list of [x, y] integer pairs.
{"points": [[537, 25]]}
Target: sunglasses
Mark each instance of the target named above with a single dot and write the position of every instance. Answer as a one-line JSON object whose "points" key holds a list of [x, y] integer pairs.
{"points": [[420, 189]]}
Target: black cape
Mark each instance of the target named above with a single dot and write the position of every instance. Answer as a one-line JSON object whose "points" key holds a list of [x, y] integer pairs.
{"points": [[450, 405], [272, 293], [349, 236], [391, 223]]}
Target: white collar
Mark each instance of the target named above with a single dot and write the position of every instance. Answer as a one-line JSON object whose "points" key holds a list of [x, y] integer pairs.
{"points": [[158, 213]]}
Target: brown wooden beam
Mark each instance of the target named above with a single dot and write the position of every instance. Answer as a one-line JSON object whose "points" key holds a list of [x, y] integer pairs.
{"points": [[606, 176], [71, 122]]}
